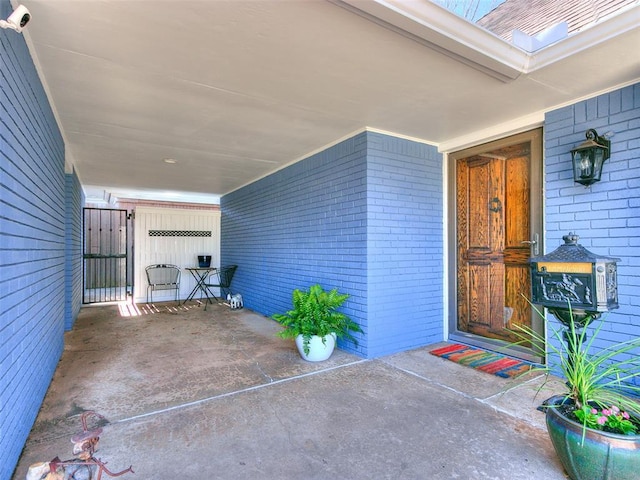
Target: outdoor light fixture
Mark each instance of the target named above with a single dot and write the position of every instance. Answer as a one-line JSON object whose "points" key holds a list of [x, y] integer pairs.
{"points": [[589, 157]]}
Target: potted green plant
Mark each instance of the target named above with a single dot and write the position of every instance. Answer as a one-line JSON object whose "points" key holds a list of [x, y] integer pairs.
{"points": [[315, 322], [595, 424]]}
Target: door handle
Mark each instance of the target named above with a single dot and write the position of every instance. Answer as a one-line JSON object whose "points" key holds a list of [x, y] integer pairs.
{"points": [[533, 243]]}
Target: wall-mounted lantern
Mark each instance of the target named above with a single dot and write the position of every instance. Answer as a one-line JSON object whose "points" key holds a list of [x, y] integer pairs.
{"points": [[572, 274], [588, 158]]}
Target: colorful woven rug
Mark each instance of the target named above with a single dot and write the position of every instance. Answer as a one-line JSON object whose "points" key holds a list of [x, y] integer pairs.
{"points": [[489, 362]]}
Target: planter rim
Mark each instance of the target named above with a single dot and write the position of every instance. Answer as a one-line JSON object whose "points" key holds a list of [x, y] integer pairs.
{"points": [[559, 399], [333, 334]]}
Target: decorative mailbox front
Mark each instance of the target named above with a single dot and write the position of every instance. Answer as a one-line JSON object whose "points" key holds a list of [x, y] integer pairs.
{"points": [[571, 273]]}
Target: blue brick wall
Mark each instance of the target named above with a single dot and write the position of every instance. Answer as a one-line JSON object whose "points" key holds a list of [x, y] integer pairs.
{"points": [[32, 244], [404, 244], [303, 225], [73, 245], [606, 215], [347, 217]]}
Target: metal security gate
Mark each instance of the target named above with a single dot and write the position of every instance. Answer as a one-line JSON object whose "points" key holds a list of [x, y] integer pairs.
{"points": [[105, 255]]}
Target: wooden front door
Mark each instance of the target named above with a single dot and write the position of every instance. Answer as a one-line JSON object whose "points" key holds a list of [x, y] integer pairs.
{"points": [[497, 203]]}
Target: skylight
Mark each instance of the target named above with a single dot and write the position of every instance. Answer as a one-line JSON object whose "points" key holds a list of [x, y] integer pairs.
{"points": [[472, 10]]}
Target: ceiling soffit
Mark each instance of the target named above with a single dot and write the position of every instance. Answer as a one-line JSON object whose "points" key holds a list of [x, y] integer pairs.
{"points": [[446, 32], [234, 91]]}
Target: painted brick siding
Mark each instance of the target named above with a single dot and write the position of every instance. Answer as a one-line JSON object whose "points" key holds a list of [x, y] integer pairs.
{"points": [[73, 245], [404, 244], [32, 245], [302, 225], [606, 215], [319, 221]]}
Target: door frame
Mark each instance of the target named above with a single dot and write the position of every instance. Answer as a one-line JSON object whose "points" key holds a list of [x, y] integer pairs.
{"points": [[104, 279], [537, 226]]}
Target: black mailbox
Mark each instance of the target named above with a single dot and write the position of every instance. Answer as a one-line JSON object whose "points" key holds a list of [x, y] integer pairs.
{"points": [[572, 274]]}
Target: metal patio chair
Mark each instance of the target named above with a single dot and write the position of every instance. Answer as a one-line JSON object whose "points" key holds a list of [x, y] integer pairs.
{"points": [[221, 278], [162, 277]]}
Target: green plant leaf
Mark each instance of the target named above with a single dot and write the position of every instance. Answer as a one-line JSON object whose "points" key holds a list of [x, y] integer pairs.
{"points": [[594, 378], [315, 312]]}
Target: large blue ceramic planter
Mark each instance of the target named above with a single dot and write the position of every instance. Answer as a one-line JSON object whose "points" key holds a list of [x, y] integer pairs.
{"points": [[604, 456]]}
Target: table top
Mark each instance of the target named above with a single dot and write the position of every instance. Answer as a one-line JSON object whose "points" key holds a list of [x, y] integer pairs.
{"points": [[200, 268]]}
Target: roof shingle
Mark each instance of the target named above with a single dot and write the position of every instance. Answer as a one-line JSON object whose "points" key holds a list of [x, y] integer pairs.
{"points": [[534, 16]]}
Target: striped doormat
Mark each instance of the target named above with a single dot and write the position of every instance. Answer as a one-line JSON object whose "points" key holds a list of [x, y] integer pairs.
{"points": [[489, 362]]}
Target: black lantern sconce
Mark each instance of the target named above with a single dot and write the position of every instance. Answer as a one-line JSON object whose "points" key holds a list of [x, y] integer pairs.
{"points": [[589, 157]]}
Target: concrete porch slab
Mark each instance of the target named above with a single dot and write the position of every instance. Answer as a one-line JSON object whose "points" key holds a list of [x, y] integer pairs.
{"points": [[192, 394]]}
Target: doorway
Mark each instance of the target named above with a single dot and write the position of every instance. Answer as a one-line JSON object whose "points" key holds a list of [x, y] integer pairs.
{"points": [[496, 200], [105, 255]]}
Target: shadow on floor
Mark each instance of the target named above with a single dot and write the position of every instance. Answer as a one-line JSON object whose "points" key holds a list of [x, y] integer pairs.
{"points": [[214, 394]]}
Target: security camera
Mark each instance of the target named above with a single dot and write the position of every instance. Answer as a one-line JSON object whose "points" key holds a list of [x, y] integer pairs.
{"points": [[17, 20]]}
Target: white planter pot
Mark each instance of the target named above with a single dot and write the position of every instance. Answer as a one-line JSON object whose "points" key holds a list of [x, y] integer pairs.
{"points": [[318, 350]]}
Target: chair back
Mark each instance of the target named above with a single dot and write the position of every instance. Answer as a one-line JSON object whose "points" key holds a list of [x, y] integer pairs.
{"points": [[159, 275], [226, 275]]}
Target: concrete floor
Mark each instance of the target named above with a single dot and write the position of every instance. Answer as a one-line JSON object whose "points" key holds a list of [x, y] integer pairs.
{"points": [[190, 394]]}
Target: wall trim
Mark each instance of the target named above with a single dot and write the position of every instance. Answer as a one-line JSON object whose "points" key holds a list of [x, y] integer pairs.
{"points": [[332, 144]]}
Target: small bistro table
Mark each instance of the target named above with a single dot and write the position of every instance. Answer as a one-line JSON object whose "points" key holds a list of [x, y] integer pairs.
{"points": [[200, 275]]}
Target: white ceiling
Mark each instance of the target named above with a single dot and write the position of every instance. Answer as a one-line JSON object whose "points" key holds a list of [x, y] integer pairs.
{"points": [[234, 90]]}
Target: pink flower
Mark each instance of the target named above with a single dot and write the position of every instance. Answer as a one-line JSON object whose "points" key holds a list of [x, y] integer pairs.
{"points": [[625, 415], [602, 420], [615, 409], [606, 412], [594, 411]]}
